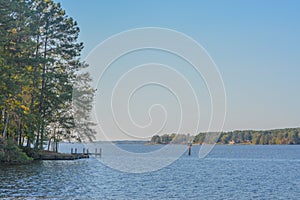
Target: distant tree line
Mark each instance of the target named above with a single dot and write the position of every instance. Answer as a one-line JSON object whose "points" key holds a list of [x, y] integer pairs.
{"points": [[172, 138], [278, 136]]}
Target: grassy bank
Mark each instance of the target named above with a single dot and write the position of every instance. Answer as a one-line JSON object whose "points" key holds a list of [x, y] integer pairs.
{"points": [[12, 154]]}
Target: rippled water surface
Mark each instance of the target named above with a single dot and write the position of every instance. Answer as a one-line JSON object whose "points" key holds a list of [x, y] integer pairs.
{"points": [[229, 172]]}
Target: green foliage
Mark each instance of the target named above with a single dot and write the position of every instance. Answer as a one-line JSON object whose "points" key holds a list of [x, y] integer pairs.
{"points": [[156, 139], [172, 138], [10, 153], [279, 136], [39, 64]]}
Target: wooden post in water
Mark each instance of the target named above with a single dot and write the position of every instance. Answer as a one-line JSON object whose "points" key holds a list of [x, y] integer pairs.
{"points": [[75, 150], [96, 152], [83, 151], [71, 150], [189, 148]]}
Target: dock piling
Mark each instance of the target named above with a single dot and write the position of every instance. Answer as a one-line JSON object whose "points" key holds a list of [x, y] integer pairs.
{"points": [[189, 149]]}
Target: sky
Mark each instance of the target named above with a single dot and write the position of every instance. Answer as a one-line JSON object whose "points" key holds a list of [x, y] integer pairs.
{"points": [[255, 45]]}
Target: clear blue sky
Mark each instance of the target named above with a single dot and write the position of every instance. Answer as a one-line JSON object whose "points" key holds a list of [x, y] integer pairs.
{"points": [[255, 44]]}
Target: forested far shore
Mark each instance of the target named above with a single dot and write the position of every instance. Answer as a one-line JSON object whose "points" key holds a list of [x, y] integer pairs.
{"points": [[40, 76], [263, 137]]}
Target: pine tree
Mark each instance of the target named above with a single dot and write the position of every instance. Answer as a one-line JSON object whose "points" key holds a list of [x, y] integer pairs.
{"points": [[39, 63]]}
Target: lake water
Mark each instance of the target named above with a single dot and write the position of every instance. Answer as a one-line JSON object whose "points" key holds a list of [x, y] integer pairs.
{"points": [[228, 172]]}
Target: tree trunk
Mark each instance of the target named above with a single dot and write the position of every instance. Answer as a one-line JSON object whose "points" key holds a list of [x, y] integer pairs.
{"points": [[41, 109], [4, 134], [49, 144], [34, 84], [28, 142], [56, 147], [20, 131], [22, 143]]}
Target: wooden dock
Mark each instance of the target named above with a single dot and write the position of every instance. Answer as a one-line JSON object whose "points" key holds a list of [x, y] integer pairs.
{"points": [[86, 152], [74, 155], [49, 155], [58, 156]]}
